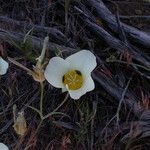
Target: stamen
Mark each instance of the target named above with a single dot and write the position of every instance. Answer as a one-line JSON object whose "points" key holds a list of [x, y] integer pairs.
{"points": [[73, 79]]}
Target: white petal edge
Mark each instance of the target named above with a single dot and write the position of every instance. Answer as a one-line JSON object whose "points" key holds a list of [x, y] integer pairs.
{"points": [[3, 147], [83, 60], [64, 90], [55, 70], [88, 85], [3, 66]]}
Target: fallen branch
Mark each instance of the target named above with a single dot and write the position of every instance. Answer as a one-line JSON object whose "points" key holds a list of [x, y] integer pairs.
{"points": [[116, 91], [21, 26], [134, 16], [36, 42], [112, 41], [104, 13]]}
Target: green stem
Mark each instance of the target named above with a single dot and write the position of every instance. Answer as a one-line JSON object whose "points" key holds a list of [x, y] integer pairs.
{"points": [[41, 98], [62, 102], [55, 110], [54, 113], [38, 111], [40, 59]]}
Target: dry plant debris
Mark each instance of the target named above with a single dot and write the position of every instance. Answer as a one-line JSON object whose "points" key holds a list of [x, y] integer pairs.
{"points": [[115, 115]]}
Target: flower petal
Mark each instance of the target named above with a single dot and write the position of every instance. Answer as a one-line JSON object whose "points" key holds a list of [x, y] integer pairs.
{"points": [[84, 61], [64, 90], [55, 70], [87, 86], [3, 66], [3, 147]]}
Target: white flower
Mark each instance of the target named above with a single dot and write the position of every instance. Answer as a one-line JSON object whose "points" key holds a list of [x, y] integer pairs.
{"points": [[72, 74], [3, 147], [3, 66]]}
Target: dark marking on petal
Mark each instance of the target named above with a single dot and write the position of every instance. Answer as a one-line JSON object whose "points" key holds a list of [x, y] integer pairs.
{"points": [[78, 72], [63, 79]]}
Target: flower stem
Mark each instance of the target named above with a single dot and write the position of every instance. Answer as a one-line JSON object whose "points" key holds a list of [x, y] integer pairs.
{"points": [[55, 110], [40, 59], [38, 111], [62, 102], [41, 98]]}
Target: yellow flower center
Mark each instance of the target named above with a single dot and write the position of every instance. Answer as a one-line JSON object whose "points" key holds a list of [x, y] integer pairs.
{"points": [[73, 79]]}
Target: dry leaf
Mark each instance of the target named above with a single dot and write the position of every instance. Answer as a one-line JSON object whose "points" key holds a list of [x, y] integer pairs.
{"points": [[20, 125]]}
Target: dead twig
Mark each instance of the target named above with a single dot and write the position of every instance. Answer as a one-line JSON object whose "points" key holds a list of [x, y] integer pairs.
{"points": [[121, 100], [134, 16], [111, 40], [36, 42], [104, 13], [21, 26]]}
